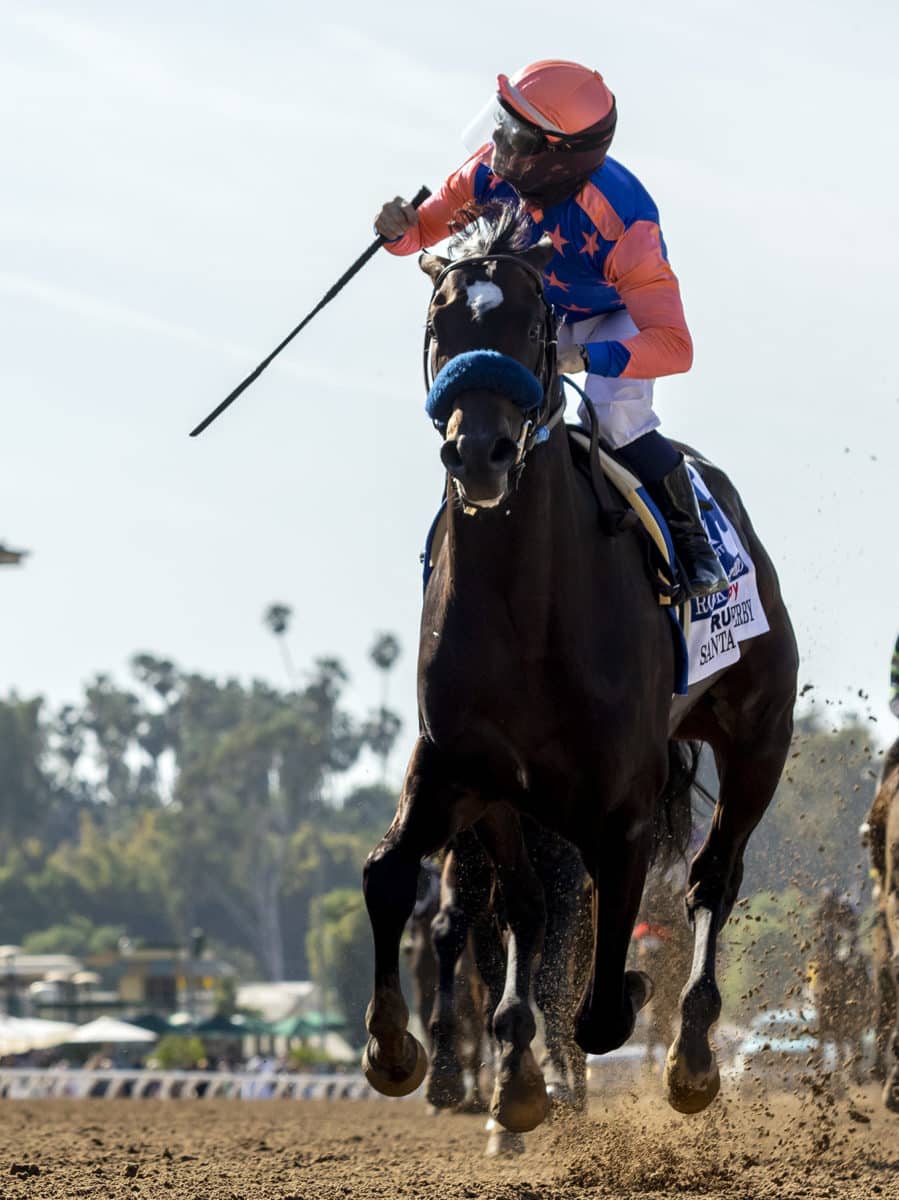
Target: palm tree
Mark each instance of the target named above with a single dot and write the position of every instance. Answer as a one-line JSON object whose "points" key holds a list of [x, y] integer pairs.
{"points": [[384, 654], [385, 726], [277, 618]]}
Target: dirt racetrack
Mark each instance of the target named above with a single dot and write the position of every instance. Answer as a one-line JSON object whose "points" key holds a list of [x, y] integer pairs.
{"points": [[315, 1150]]}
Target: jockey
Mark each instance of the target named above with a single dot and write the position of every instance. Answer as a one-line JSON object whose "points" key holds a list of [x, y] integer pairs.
{"points": [[543, 140], [894, 681]]}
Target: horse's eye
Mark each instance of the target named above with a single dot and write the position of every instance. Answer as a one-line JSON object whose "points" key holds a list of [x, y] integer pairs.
{"points": [[429, 329], [535, 333]]}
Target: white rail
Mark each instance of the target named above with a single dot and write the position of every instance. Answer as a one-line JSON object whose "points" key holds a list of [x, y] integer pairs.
{"points": [[27, 1083]]}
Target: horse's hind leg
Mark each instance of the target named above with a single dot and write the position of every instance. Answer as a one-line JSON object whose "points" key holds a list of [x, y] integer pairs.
{"points": [[429, 811], [464, 892], [750, 759], [519, 1100]]}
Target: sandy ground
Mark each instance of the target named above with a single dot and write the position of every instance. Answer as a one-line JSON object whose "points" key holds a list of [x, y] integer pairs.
{"points": [[767, 1149]]}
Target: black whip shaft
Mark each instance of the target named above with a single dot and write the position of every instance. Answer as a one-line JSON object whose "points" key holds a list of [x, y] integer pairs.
{"points": [[420, 196]]}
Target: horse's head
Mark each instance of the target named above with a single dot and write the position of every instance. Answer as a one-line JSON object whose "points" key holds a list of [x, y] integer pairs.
{"points": [[490, 349]]}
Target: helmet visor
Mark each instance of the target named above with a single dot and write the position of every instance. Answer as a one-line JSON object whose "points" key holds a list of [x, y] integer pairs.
{"points": [[537, 162], [512, 136]]}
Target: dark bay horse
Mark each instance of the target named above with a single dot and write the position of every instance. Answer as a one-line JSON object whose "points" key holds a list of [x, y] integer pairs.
{"points": [[546, 670], [883, 841]]}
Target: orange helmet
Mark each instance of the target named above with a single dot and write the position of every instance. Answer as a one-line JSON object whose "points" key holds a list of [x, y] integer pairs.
{"points": [[551, 124], [558, 96]]}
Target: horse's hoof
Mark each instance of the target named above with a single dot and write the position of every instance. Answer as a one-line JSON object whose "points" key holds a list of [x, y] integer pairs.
{"points": [[501, 1143], [519, 1099], [401, 1079], [891, 1092], [445, 1088], [688, 1092]]}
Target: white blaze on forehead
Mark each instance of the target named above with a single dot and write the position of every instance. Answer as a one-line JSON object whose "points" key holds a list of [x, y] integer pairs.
{"points": [[482, 296]]}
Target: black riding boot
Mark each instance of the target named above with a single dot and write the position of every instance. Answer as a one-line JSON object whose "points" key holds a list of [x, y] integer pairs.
{"points": [[701, 571]]}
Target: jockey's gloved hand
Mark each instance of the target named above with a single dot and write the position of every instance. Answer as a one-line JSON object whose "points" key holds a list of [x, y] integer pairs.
{"points": [[395, 219], [571, 360]]}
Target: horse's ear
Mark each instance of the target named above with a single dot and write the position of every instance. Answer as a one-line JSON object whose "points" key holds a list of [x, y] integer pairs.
{"points": [[432, 264], [540, 253]]}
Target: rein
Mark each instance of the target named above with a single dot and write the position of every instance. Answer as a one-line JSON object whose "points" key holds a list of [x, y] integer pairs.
{"points": [[549, 412]]}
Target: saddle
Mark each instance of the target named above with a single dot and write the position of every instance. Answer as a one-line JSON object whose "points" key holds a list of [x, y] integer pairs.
{"points": [[637, 507]]}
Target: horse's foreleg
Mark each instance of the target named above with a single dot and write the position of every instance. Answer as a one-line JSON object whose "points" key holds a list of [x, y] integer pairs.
{"points": [[748, 777], [519, 1100], [613, 996], [559, 981], [429, 810]]}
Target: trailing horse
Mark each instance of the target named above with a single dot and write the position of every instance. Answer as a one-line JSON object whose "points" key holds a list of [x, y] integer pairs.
{"points": [[545, 680], [883, 839], [840, 989]]}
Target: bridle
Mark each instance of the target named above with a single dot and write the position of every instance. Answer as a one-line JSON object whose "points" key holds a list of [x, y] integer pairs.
{"points": [[536, 428]]}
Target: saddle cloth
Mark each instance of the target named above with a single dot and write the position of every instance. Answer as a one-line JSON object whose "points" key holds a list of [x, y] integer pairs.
{"points": [[707, 630], [711, 627]]}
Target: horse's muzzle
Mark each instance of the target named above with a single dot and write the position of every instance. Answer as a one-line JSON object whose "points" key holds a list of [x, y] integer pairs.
{"points": [[480, 464]]}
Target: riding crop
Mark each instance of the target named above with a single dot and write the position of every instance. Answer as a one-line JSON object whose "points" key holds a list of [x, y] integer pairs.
{"points": [[420, 196]]}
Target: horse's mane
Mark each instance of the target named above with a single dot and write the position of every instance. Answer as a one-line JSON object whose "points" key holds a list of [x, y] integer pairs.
{"points": [[492, 228]]}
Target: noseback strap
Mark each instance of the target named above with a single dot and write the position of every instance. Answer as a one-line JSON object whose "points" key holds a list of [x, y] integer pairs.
{"points": [[482, 370]]}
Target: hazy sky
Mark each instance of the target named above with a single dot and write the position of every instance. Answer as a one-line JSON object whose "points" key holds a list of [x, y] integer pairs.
{"points": [[180, 185]]}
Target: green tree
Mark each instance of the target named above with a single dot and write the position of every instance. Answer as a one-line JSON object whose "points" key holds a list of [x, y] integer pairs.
{"points": [[809, 836], [367, 811], [26, 794], [340, 955], [77, 936], [181, 800], [177, 1053], [766, 950], [384, 725]]}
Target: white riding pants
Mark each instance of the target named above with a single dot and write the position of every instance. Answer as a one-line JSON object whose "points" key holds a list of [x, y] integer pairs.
{"points": [[622, 406]]}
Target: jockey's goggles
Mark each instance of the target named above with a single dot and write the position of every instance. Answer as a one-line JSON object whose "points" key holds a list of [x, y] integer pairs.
{"points": [[514, 136]]}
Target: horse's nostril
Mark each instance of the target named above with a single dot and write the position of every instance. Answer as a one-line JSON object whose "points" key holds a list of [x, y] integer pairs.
{"points": [[503, 452], [450, 456]]}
